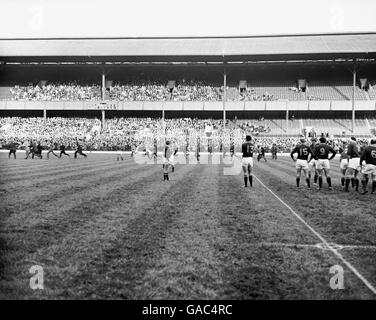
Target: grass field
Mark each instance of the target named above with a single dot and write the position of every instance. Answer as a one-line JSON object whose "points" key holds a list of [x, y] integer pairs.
{"points": [[102, 228]]}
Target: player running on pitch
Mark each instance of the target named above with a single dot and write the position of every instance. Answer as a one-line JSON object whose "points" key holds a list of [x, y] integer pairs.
{"points": [[353, 153], [247, 160], [304, 153], [62, 151], [321, 155], [79, 151], [368, 157], [51, 148]]}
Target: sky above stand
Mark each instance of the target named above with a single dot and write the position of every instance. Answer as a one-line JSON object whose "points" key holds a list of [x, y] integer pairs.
{"points": [[166, 18]]}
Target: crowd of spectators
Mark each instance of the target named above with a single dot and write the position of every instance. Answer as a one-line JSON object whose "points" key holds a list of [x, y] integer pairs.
{"points": [[249, 94], [123, 133], [132, 90], [57, 92]]}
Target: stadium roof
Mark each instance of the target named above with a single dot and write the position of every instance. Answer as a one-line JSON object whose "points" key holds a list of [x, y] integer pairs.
{"points": [[211, 49]]}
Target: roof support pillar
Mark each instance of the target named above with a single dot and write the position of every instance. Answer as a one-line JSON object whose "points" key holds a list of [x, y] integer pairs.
{"points": [[224, 97]]}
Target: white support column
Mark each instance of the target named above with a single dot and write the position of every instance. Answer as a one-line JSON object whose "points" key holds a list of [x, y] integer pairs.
{"points": [[103, 119], [103, 85], [353, 99], [224, 98]]}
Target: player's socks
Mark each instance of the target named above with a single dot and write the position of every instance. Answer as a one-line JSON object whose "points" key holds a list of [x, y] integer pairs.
{"points": [[343, 181], [172, 168], [297, 181], [245, 181], [352, 182], [315, 178], [373, 186], [168, 179], [356, 184], [347, 184], [364, 186], [329, 181], [308, 180], [250, 180], [320, 182], [165, 177], [309, 175]]}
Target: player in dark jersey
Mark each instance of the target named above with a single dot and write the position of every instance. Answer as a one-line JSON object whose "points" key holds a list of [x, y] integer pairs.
{"points": [[247, 160], [62, 151], [368, 162], [274, 151], [33, 149], [37, 151], [303, 154], [353, 153], [79, 151], [343, 162], [321, 154], [312, 162], [166, 160], [12, 149]]}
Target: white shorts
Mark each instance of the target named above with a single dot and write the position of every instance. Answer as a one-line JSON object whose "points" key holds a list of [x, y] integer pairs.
{"points": [[312, 164], [369, 169], [301, 164], [344, 164], [322, 164], [354, 163], [167, 161], [247, 161]]}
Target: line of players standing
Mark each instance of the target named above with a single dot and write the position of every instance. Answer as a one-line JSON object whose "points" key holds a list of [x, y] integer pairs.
{"points": [[354, 163], [34, 149]]}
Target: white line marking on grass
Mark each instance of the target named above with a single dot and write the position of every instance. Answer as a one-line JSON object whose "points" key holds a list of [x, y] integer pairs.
{"points": [[321, 246], [333, 250]]}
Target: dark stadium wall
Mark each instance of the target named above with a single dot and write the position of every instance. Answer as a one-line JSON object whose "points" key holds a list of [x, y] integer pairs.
{"points": [[25, 74]]}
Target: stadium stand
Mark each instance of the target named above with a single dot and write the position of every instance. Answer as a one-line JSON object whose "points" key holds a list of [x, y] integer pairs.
{"points": [[122, 133]]}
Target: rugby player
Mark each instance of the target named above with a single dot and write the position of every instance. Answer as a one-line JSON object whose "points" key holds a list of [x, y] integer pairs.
{"points": [[304, 155], [261, 153], [172, 157], [344, 162], [166, 160], [198, 149], [12, 149], [232, 147], [247, 160], [321, 155], [62, 151], [51, 148], [312, 162], [274, 151], [28, 147], [368, 158], [155, 150], [79, 151], [37, 151], [353, 153]]}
